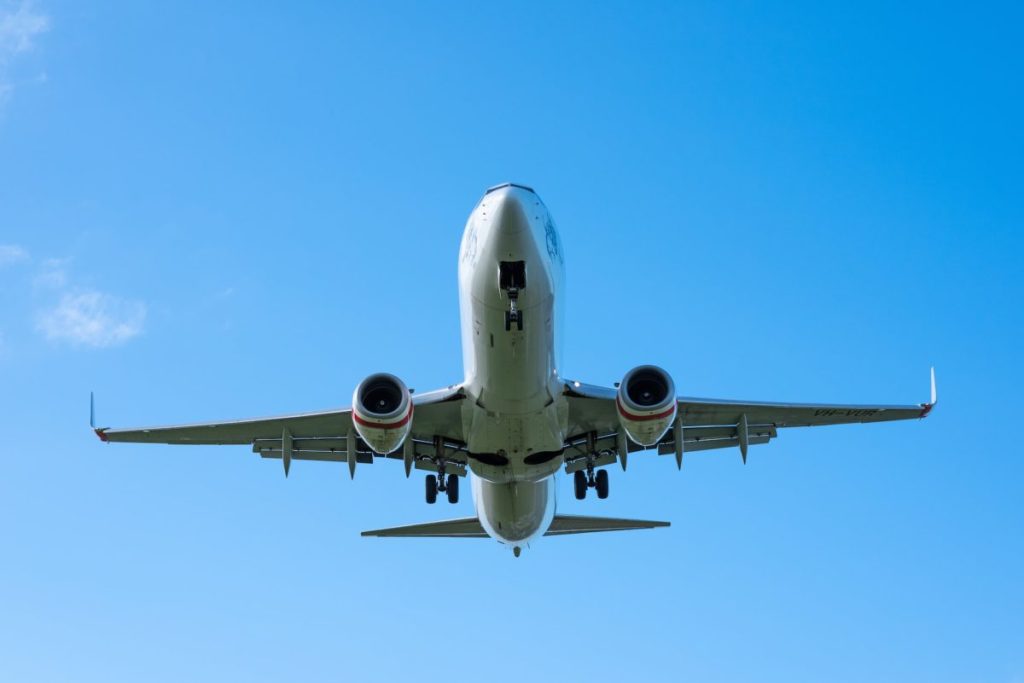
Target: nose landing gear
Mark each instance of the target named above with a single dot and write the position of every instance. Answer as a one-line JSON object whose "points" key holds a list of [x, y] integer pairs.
{"points": [[513, 314], [511, 280]]}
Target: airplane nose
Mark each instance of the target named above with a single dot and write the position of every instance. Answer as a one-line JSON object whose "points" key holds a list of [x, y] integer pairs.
{"points": [[510, 213]]}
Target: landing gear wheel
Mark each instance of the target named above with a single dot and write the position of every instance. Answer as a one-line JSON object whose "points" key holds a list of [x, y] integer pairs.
{"points": [[516, 317], [453, 489], [431, 489], [579, 484], [601, 483]]}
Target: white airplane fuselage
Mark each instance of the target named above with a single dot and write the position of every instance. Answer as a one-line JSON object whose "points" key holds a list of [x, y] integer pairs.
{"points": [[511, 260]]}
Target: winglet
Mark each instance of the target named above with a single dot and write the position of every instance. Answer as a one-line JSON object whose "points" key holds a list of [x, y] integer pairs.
{"points": [[92, 419], [927, 407]]}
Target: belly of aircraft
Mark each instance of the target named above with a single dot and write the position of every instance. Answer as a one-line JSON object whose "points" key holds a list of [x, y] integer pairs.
{"points": [[515, 419]]}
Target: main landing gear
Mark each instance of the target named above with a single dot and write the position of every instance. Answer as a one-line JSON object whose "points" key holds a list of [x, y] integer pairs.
{"points": [[582, 480], [448, 485]]}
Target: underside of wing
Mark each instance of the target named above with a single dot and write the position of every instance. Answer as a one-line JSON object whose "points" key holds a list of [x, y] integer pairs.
{"points": [[706, 424], [247, 431], [702, 411], [467, 527], [582, 524], [324, 436]]}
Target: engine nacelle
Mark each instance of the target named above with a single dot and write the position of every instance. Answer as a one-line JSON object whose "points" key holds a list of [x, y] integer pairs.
{"points": [[382, 412], [647, 404]]}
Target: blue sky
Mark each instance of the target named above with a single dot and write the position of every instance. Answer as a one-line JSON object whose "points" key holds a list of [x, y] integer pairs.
{"points": [[243, 209]]}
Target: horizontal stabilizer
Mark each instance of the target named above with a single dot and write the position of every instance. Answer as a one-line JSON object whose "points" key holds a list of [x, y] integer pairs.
{"points": [[470, 527], [581, 524], [467, 527]]}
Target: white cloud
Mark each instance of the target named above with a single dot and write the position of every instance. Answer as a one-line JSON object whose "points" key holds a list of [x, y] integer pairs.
{"points": [[12, 253], [92, 318], [53, 274], [72, 314], [20, 24]]}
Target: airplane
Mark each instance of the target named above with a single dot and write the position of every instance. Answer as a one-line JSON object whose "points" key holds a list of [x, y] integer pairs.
{"points": [[513, 422]]}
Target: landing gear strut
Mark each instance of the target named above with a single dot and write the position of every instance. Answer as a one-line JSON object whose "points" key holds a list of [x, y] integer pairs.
{"points": [[583, 480], [513, 314], [511, 280]]}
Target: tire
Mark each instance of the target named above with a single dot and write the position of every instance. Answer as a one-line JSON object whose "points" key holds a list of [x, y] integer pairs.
{"points": [[431, 489], [579, 484], [453, 489], [602, 484]]}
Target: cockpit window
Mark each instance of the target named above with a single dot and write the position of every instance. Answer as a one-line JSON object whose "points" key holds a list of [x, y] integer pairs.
{"points": [[498, 187]]}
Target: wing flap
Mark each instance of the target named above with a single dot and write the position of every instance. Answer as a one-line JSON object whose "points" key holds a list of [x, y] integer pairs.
{"points": [[320, 456], [700, 438], [691, 446]]}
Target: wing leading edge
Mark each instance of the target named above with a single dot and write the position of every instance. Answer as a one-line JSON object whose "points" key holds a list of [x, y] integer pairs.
{"points": [[325, 435], [707, 423]]}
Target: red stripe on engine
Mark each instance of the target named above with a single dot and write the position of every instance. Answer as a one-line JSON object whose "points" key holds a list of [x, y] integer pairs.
{"points": [[379, 425], [642, 418]]}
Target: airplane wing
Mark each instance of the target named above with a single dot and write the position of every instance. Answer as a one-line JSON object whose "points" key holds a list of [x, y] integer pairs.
{"points": [[321, 435], [707, 423]]}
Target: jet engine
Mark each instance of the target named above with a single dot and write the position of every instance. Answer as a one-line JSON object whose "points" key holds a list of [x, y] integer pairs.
{"points": [[382, 412], [647, 404]]}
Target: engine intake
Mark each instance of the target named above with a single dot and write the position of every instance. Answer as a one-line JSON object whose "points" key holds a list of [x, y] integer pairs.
{"points": [[647, 404], [382, 412]]}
